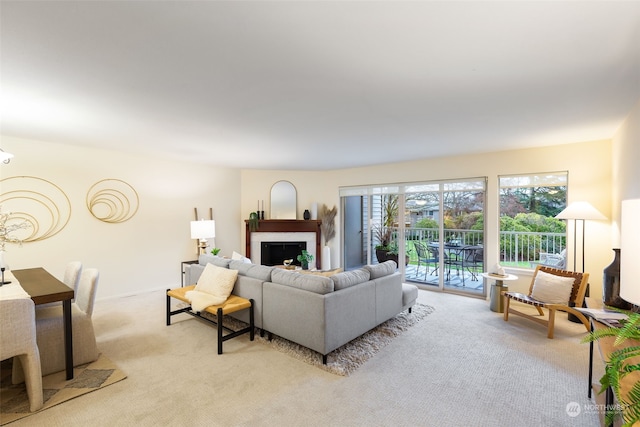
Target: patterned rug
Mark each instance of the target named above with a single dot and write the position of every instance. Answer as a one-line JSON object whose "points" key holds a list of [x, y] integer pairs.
{"points": [[346, 359], [14, 403]]}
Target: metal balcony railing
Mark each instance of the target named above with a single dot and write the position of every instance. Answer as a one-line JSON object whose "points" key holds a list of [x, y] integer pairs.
{"points": [[517, 249]]}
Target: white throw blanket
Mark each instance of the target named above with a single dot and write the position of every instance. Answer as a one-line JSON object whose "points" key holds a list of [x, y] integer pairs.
{"points": [[201, 300], [12, 290]]}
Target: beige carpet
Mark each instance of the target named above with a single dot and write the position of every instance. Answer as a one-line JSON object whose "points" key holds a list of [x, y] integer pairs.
{"points": [[346, 359], [87, 378], [462, 365]]}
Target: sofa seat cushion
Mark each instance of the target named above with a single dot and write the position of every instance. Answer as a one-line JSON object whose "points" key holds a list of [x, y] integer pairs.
{"points": [[380, 270], [318, 284], [350, 278]]}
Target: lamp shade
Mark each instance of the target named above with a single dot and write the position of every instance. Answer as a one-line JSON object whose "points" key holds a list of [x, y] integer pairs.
{"points": [[630, 251], [5, 157], [581, 210], [203, 229]]}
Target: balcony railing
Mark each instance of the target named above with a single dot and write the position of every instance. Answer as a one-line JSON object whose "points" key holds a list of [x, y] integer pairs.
{"points": [[517, 249]]}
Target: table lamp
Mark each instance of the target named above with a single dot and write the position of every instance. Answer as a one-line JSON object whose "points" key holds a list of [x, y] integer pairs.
{"points": [[203, 230]]}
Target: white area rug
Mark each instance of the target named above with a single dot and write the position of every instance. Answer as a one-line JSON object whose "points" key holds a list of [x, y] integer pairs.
{"points": [[346, 359]]}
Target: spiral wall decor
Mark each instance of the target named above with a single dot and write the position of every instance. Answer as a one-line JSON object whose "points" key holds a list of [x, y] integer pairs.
{"points": [[112, 201], [37, 201]]}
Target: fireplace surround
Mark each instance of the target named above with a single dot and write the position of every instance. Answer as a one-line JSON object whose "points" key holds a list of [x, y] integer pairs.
{"points": [[274, 253], [292, 230]]}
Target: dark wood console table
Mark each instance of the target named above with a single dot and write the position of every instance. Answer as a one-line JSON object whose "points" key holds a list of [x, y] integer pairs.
{"points": [[606, 347], [44, 288]]}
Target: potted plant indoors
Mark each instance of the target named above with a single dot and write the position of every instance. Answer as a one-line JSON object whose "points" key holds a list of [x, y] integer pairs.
{"points": [[305, 258], [619, 365], [215, 251]]}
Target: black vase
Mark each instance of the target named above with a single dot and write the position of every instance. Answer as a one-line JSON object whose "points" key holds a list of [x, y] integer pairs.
{"points": [[611, 284], [306, 215]]}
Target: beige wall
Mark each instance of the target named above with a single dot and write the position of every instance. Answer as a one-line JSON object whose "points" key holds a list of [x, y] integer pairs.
{"points": [[144, 252], [589, 166], [626, 173]]}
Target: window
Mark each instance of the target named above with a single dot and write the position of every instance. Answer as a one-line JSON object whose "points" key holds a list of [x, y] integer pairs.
{"points": [[529, 232]]}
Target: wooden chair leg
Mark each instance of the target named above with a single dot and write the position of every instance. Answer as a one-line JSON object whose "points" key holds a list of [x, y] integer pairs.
{"points": [[540, 312], [506, 308], [552, 321]]}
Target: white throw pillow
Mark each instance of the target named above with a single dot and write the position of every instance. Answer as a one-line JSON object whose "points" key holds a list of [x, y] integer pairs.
{"points": [[552, 289], [213, 288], [238, 257]]}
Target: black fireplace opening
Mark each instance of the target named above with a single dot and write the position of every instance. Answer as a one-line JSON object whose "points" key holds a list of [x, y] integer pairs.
{"points": [[274, 253]]}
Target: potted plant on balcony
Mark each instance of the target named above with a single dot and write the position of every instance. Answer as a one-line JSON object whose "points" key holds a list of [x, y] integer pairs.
{"points": [[622, 362], [305, 258]]}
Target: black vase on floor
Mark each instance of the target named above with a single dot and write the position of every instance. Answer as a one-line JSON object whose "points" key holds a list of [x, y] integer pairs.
{"points": [[611, 284]]}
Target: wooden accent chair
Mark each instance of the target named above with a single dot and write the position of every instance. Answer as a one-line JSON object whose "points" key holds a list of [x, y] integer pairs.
{"points": [[576, 297]]}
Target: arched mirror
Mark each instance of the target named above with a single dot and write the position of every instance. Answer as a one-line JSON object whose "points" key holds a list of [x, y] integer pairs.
{"points": [[283, 200]]}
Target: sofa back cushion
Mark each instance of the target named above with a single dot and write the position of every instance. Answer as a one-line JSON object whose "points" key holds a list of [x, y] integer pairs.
{"points": [[205, 259], [350, 278], [318, 284], [242, 267], [381, 270], [260, 272]]}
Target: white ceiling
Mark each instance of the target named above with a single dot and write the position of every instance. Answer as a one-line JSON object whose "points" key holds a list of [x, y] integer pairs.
{"points": [[317, 84]]}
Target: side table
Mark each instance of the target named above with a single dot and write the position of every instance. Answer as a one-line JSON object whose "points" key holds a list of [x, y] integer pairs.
{"points": [[182, 272], [497, 288]]}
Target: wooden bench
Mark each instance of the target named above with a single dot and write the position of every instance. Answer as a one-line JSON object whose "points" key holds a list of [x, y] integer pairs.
{"points": [[231, 305]]}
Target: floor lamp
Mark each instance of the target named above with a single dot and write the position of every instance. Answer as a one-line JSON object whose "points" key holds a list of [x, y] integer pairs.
{"points": [[579, 211]]}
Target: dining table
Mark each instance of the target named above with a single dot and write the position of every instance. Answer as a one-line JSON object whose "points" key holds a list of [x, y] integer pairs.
{"points": [[44, 288], [459, 256]]}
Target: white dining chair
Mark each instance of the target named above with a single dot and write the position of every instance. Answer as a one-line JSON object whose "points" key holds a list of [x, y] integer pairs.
{"points": [[50, 329], [18, 336], [71, 278], [72, 275]]}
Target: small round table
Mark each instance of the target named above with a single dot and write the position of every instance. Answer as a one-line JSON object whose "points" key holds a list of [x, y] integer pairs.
{"points": [[498, 287]]}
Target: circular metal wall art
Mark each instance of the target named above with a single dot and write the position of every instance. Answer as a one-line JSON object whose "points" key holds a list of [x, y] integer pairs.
{"points": [[41, 203], [112, 201]]}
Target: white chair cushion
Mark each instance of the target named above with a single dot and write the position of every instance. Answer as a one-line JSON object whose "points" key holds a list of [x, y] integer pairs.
{"points": [[213, 288], [552, 289]]}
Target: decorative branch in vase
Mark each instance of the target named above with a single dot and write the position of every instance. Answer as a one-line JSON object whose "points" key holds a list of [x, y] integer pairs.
{"points": [[328, 229], [7, 228]]}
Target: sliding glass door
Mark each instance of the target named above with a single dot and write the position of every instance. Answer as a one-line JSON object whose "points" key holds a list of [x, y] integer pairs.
{"points": [[434, 231]]}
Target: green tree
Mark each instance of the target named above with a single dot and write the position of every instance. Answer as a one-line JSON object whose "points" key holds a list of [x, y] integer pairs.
{"points": [[427, 223]]}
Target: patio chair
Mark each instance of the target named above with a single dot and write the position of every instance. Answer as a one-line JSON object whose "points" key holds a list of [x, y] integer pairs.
{"points": [[473, 261], [554, 290], [552, 260], [434, 254], [425, 257]]}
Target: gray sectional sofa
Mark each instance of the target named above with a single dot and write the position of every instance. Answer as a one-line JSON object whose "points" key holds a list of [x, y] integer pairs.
{"points": [[318, 312]]}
